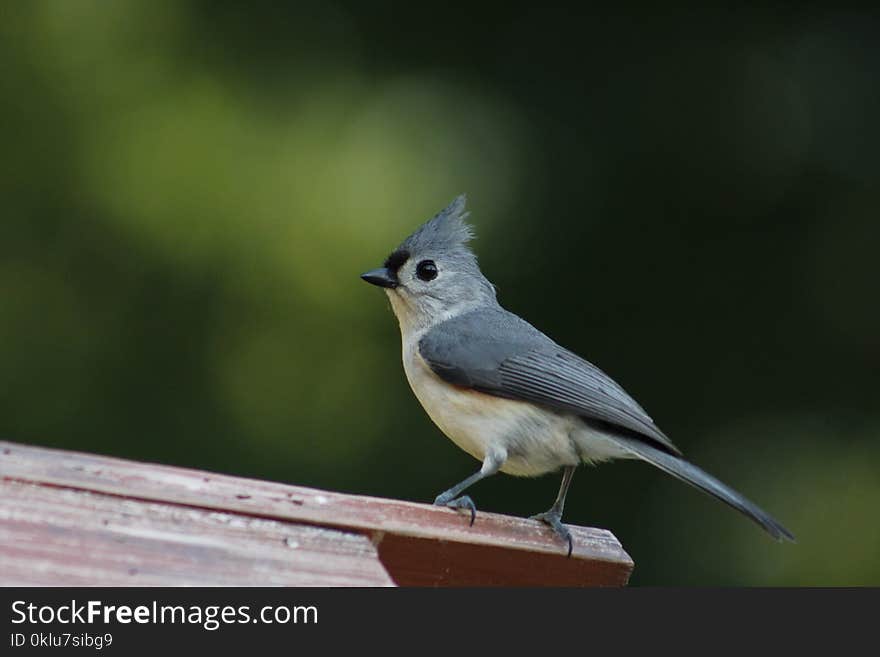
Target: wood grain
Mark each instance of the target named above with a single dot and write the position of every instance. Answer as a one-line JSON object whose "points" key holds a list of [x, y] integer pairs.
{"points": [[418, 544], [53, 536]]}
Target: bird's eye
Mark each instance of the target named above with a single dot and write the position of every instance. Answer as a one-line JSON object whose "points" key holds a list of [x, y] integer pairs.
{"points": [[426, 270]]}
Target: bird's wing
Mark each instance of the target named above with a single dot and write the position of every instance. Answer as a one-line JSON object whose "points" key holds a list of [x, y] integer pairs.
{"points": [[496, 352]]}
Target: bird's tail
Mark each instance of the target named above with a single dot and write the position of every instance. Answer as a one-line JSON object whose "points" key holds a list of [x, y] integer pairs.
{"points": [[691, 474]]}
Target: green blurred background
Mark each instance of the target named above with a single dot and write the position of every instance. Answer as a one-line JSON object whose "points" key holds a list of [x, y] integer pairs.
{"points": [[688, 198]]}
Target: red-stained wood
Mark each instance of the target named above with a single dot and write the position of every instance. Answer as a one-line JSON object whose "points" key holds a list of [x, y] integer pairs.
{"points": [[418, 544], [52, 536]]}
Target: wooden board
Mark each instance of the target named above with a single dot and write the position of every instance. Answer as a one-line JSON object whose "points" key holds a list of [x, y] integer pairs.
{"points": [[52, 536], [417, 544]]}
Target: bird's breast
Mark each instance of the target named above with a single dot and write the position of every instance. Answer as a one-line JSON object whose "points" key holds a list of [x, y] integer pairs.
{"points": [[469, 418]]}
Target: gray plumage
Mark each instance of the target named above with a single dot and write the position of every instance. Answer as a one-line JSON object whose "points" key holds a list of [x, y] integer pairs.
{"points": [[494, 351], [461, 350], [446, 232]]}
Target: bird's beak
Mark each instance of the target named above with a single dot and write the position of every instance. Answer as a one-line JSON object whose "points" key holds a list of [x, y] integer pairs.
{"points": [[381, 277]]}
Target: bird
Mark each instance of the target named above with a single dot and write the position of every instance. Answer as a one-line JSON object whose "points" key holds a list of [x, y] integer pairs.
{"points": [[506, 393]]}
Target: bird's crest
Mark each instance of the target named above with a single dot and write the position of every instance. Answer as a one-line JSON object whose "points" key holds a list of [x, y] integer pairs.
{"points": [[447, 231]]}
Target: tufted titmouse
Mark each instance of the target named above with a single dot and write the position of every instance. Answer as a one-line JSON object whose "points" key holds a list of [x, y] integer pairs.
{"points": [[506, 393]]}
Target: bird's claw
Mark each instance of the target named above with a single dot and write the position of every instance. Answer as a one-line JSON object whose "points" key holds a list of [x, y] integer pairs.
{"points": [[463, 502], [554, 520]]}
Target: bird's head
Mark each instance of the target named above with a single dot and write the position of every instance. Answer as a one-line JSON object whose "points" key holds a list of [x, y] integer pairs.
{"points": [[433, 275]]}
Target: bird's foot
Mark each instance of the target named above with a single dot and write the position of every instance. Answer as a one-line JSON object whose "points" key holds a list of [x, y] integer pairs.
{"points": [[553, 517], [463, 502]]}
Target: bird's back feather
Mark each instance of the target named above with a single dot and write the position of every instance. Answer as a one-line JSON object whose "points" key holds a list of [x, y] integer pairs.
{"points": [[494, 351]]}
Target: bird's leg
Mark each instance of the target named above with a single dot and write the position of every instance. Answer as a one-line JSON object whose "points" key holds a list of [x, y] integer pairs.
{"points": [[453, 498], [553, 516]]}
